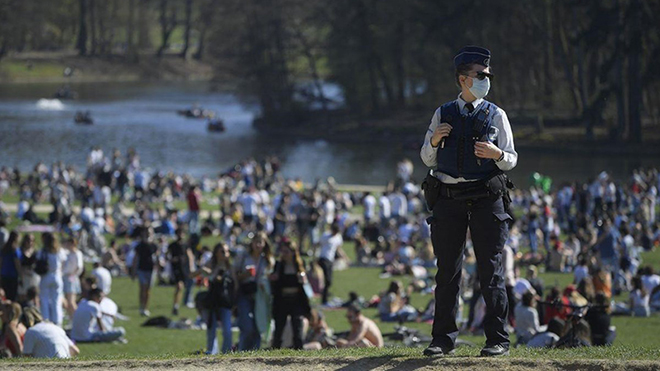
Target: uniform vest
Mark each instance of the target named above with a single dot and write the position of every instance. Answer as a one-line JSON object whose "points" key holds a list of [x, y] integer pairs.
{"points": [[457, 158]]}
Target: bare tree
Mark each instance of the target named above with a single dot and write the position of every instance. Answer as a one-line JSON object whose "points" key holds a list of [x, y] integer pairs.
{"points": [[131, 52], [187, 28], [168, 23], [81, 44]]}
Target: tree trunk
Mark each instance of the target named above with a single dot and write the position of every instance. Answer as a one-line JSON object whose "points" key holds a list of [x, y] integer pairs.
{"points": [[188, 26], [634, 72], [167, 25], [4, 47], [312, 63], [619, 132], [131, 53], [398, 56], [549, 58], [144, 42], [568, 66], [92, 21], [101, 10], [200, 47], [81, 44]]}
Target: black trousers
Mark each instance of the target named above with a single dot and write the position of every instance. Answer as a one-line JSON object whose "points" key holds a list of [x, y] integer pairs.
{"points": [[10, 285], [487, 221], [285, 307], [326, 265]]}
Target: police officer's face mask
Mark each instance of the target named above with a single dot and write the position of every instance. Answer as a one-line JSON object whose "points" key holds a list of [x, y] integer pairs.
{"points": [[479, 87]]}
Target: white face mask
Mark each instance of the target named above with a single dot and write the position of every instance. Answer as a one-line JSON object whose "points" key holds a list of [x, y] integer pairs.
{"points": [[480, 87]]}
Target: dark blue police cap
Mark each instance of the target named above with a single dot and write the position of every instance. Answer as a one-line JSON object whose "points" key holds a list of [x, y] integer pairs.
{"points": [[472, 54]]}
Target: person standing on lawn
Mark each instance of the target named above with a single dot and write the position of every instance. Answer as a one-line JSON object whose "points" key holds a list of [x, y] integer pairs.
{"points": [[468, 147]]}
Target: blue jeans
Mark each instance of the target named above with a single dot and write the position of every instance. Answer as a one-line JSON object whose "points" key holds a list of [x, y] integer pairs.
{"points": [[533, 242], [212, 317], [108, 336], [187, 295], [193, 222], [250, 338]]}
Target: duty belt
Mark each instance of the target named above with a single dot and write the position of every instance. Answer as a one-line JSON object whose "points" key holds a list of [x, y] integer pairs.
{"points": [[464, 192]]}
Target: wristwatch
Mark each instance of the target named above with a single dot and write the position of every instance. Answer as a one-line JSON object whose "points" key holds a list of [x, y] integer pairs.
{"points": [[501, 157]]}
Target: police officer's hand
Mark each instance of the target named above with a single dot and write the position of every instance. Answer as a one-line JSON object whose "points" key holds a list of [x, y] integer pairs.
{"points": [[440, 132], [487, 150]]}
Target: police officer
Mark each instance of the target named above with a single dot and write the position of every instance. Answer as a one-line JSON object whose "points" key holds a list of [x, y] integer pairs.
{"points": [[468, 146]]}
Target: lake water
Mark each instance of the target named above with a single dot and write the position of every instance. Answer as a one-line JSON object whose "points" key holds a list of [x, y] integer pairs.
{"points": [[143, 116]]}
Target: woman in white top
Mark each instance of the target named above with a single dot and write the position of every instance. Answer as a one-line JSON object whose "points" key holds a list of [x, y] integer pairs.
{"points": [[71, 271], [639, 299], [51, 287]]}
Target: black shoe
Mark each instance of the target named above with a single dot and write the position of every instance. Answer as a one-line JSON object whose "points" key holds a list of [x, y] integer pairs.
{"points": [[175, 311], [495, 351], [437, 351]]}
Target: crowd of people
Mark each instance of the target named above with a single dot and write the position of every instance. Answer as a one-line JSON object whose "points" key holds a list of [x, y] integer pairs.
{"points": [[277, 242]]}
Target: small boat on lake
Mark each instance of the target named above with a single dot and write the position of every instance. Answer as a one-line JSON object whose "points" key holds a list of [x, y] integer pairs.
{"points": [[196, 113], [216, 126], [83, 118]]}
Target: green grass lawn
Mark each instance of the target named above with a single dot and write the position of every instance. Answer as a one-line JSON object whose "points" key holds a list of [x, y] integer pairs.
{"points": [[637, 337], [39, 69]]}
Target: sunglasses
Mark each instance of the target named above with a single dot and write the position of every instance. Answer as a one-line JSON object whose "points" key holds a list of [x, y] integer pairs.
{"points": [[482, 75]]}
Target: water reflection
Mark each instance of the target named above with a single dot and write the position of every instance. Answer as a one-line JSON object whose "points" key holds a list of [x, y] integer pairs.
{"points": [[143, 115]]}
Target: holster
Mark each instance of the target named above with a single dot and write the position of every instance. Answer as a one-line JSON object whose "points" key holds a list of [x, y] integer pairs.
{"points": [[431, 188], [500, 185]]}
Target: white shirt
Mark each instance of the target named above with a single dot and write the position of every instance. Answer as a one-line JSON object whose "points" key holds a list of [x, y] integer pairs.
{"points": [[639, 301], [55, 262], [504, 141], [543, 340], [109, 309], [329, 208], [521, 287], [73, 265], [103, 279], [369, 206], [329, 245], [527, 321], [85, 320], [650, 282], [399, 204], [46, 340], [508, 263], [250, 203], [385, 207]]}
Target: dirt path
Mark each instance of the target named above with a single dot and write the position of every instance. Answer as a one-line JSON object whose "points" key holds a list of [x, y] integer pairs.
{"points": [[340, 364]]}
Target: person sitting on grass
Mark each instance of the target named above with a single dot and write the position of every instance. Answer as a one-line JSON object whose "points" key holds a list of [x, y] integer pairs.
{"points": [[599, 321], [364, 332], [88, 316], [393, 305], [639, 299], [319, 335], [44, 339], [527, 318], [548, 339], [13, 330]]}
